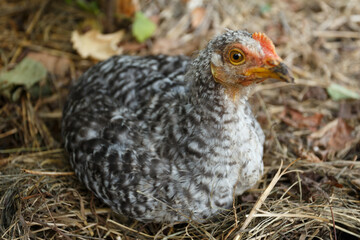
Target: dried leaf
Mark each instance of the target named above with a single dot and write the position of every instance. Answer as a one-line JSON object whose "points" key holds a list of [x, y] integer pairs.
{"points": [[318, 93], [322, 131], [54, 64], [127, 7], [96, 45], [350, 109], [310, 184], [164, 46], [332, 137], [142, 28], [334, 182], [296, 119], [338, 92], [314, 185], [132, 47], [340, 136], [197, 16], [309, 156], [170, 46]]}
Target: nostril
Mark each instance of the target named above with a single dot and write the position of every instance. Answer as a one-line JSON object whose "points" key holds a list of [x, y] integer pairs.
{"points": [[272, 62]]}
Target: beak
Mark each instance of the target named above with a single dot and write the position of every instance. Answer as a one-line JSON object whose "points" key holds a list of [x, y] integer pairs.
{"points": [[277, 71]]}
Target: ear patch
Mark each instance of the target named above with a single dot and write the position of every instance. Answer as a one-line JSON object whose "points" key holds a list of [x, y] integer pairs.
{"points": [[266, 44], [216, 59]]}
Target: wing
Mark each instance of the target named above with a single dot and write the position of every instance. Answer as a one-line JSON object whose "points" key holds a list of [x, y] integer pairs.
{"points": [[130, 81], [104, 121], [123, 85]]}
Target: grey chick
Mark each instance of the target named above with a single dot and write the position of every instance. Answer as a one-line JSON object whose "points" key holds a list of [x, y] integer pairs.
{"points": [[166, 138]]}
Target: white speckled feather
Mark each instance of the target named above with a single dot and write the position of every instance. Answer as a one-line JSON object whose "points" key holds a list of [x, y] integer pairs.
{"points": [[158, 139]]}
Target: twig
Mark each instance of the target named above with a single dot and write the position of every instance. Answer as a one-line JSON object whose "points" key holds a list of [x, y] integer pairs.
{"points": [[53, 174], [130, 229], [262, 199], [234, 210], [55, 228], [333, 222], [346, 231], [8, 133], [290, 215], [337, 34], [30, 28], [354, 160], [41, 151]]}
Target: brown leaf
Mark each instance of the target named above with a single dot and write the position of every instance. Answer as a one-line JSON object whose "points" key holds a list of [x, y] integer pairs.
{"points": [[163, 46], [309, 156], [96, 45], [251, 197], [310, 184], [197, 16], [54, 64], [334, 182], [314, 185], [172, 46], [127, 7], [318, 93], [130, 47], [296, 119], [350, 109], [340, 136], [333, 137]]}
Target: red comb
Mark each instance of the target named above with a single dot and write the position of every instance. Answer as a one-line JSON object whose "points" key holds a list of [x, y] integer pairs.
{"points": [[266, 44]]}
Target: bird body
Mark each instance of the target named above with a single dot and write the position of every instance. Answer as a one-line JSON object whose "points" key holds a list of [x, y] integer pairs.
{"points": [[167, 139]]}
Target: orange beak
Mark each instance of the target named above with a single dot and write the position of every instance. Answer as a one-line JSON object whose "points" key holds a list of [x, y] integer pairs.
{"points": [[274, 70]]}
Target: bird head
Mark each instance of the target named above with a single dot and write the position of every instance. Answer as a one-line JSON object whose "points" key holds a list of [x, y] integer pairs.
{"points": [[240, 59]]}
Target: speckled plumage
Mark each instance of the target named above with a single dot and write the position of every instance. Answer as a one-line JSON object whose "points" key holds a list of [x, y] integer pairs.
{"points": [[157, 139]]}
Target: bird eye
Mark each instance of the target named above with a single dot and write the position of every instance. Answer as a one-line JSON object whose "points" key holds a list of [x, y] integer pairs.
{"points": [[236, 57]]}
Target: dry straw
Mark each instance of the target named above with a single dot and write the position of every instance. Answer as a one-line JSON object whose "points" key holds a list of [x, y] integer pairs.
{"points": [[312, 198]]}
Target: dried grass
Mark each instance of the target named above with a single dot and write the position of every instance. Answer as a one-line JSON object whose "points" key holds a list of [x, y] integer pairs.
{"points": [[314, 198]]}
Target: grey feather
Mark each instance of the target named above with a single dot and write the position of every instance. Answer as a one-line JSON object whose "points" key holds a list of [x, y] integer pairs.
{"points": [[157, 139]]}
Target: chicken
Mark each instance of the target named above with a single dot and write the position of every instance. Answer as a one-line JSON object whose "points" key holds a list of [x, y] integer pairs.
{"points": [[166, 138]]}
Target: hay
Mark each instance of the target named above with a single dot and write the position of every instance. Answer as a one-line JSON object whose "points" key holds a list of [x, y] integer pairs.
{"points": [[315, 197]]}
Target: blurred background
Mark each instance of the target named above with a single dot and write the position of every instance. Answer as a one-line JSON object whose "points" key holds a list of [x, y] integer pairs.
{"points": [[320, 40], [46, 45]]}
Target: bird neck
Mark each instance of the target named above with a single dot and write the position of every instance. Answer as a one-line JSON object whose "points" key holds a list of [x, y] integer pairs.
{"points": [[206, 93]]}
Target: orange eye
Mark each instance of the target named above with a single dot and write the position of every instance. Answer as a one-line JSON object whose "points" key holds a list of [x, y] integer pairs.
{"points": [[236, 56]]}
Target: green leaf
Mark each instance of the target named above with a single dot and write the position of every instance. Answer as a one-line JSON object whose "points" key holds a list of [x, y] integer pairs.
{"points": [[265, 8], [26, 73], [91, 6], [338, 92], [142, 27], [86, 5]]}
